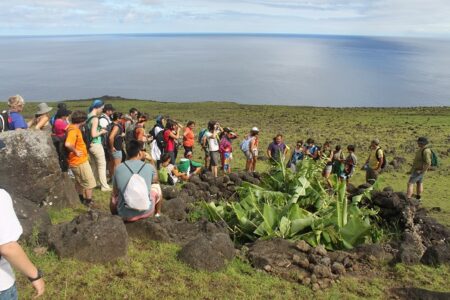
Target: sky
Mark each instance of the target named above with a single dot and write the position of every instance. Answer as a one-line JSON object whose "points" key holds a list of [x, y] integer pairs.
{"points": [[425, 18]]}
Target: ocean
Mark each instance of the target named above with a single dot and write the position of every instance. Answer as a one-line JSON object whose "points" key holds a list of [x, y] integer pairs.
{"points": [[337, 71]]}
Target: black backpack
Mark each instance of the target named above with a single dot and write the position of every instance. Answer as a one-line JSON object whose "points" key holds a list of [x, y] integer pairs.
{"points": [[159, 138], [86, 132], [4, 121], [384, 162]]}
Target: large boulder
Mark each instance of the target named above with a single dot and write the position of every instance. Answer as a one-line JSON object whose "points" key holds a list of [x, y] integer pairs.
{"points": [[208, 252], [30, 172], [30, 169], [96, 237]]}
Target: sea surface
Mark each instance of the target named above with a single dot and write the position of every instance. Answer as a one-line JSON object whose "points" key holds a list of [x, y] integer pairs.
{"points": [[339, 71]]}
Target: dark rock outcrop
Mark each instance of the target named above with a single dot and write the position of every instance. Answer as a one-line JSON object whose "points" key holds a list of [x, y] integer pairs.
{"points": [[96, 237], [208, 252], [30, 172]]}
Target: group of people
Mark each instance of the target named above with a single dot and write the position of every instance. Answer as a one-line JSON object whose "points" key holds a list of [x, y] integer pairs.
{"points": [[102, 146]]}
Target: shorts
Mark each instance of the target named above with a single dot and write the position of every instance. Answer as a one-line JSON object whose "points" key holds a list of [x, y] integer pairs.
{"points": [[248, 155], [10, 293], [215, 158], [117, 155], [327, 170], [416, 178], [84, 175], [187, 149]]}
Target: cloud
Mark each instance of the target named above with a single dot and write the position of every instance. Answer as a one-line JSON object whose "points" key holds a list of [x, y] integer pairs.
{"points": [[382, 17]]}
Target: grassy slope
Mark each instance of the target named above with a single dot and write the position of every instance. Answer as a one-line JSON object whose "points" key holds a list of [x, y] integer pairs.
{"points": [[151, 269]]}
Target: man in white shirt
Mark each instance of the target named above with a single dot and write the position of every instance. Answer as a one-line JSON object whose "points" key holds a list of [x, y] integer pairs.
{"points": [[12, 253]]}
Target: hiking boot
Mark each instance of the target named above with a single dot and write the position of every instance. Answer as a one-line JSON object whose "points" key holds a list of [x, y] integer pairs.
{"points": [[90, 204]]}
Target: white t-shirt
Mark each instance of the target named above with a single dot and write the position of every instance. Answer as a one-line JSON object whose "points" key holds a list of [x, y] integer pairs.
{"points": [[170, 168], [104, 121], [213, 143], [10, 231]]}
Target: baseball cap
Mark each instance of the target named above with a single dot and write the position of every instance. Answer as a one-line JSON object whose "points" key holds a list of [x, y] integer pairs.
{"points": [[255, 129]]}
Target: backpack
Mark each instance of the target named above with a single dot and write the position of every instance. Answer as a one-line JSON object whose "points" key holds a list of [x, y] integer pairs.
{"points": [[245, 144], [86, 132], [434, 158], [384, 162], [105, 137], [4, 121], [130, 133], [52, 120], [158, 137], [135, 194], [201, 134]]}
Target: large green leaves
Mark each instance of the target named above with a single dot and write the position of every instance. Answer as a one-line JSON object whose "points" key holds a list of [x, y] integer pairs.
{"points": [[295, 205]]}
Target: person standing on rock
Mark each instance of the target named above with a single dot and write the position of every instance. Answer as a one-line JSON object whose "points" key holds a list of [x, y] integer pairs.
{"points": [[78, 159], [97, 153], [12, 254], [374, 162], [15, 118], [421, 164]]}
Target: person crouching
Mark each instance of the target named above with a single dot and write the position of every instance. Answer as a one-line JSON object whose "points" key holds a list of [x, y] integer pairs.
{"points": [[136, 193]]}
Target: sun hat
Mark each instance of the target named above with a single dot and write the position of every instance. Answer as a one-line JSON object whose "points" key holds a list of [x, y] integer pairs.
{"points": [[422, 140], [255, 129], [43, 108]]}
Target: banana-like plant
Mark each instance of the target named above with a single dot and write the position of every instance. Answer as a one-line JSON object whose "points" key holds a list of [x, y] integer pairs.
{"points": [[294, 205]]}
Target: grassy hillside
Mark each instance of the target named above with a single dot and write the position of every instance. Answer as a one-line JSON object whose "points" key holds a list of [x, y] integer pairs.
{"points": [[151, 269]]}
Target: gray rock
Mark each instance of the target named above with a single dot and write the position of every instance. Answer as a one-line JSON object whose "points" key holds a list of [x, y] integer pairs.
{"points": [[152, 229], [322, 271], [303, 246], [30, 170], [338, 268], [320, 250], [96, 237], [174, 208], [169, 192], [437, 255], [208, 252]]}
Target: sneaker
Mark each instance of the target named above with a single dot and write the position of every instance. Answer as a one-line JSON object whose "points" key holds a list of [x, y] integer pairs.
{"points": [[109, 189]]}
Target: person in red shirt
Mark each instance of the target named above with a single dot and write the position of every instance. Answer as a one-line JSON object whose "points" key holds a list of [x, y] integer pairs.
{"points": [[171, 135], [189, 137]]}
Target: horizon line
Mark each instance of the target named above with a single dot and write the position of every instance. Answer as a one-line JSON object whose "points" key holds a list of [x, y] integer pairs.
{"points": [[215, 34]]}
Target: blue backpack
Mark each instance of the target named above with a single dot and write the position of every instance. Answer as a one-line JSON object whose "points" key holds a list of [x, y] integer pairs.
{"points": [[201, 134]]}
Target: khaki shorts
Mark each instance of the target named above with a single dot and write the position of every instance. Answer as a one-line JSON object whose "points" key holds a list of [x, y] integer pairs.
{"points": [[84, 176]]}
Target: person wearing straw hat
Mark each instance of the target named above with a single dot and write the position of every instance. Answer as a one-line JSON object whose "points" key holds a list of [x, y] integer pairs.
{"points": [[41, 117]]}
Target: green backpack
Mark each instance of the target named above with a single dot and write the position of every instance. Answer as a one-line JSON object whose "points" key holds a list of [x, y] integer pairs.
{"points": [[163, 175], [434, 158]]}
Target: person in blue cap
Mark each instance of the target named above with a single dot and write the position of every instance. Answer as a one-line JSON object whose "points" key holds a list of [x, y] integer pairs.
{"points": [[97, 153]]}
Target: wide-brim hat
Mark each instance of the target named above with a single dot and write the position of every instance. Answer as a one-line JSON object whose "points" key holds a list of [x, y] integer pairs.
{"points": [[43, 108]]}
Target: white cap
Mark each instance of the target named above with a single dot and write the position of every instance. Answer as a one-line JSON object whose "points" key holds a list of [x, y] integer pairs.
{"points": [[255, 129]]}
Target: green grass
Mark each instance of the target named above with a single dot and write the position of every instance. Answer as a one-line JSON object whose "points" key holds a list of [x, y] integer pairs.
{"points": [[151, 269]]}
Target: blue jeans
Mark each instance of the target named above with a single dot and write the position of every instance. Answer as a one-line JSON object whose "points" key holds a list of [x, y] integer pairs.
{"points": [[9, 294]]}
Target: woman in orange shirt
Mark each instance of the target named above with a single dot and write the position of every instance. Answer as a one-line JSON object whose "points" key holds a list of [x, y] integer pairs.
{"points": [[189, 137]]}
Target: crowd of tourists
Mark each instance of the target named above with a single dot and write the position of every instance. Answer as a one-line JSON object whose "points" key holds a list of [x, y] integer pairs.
{"points": [[101, 147]]}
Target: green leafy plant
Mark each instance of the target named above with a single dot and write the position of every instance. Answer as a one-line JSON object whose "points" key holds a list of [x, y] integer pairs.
{"points": [[294, 205]]}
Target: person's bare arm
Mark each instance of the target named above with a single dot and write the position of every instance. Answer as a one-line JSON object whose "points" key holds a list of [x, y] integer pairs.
{"points": [[15, 255], [112, 137], [269, 153], [94, 126], [43, 120]]}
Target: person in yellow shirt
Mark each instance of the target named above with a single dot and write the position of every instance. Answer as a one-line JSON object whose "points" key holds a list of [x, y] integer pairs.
{"points": [[374, 162], [79, 160], [421, 164]]}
